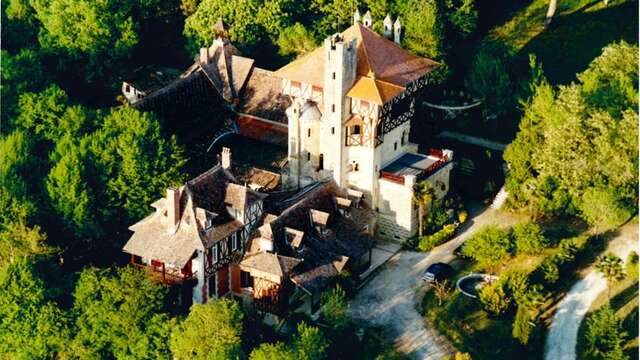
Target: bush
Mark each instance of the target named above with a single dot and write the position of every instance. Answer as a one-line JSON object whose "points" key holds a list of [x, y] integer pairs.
{"points": [[516, 284], [462, 216], [490, 246], [435, 217], [429, 242], [494, 299], [632, 265], [528, 238], [334, 308]]}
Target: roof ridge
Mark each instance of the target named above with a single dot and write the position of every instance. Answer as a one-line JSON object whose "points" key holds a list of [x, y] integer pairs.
{"points": [[364, 49]]}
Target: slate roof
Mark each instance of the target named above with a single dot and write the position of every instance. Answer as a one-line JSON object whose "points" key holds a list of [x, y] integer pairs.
{"points": [[262, 96], [324, 255], [270, 263]]}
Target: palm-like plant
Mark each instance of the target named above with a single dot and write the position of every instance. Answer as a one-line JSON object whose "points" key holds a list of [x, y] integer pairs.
{"points": [[610, 266], [423, 194]]}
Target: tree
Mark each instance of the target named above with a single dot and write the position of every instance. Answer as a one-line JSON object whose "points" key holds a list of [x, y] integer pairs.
{"points": [[19, 241], [422, 27], [494, 299], [120, 315], [463, 16], [489, 246], [610, 266], [489, 81], [334, 308], [250, 21], [551, 10], [32, 326], [522, 325], [277, 351], [17, 183], [21, 73], [295, 40], [423, 194], [602, 209], [136, 161], [336, 15], [189, 341], [442, 290], [528, 238], [309, 344], [576, 151], [71, 196], [604, 333]]}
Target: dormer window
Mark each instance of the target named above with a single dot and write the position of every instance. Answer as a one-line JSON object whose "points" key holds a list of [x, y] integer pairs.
{"points": [[214, 253], [209, 223]]}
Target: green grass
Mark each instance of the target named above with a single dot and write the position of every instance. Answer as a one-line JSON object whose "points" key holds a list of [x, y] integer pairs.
{"points": [[580, 29], [624, 300]]}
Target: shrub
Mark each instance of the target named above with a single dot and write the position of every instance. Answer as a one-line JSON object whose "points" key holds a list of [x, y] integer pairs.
{"points": [[632, 264], [435, 218], [462, 216], [490, 246], [516, 284], [494, 299], [430, 241], [528, 238]]}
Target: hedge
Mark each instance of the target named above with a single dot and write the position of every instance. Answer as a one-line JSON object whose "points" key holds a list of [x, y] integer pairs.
{"points": [[430, 241]]}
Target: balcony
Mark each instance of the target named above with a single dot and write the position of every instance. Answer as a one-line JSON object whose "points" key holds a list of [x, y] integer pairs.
{"points": [[160, 273]]}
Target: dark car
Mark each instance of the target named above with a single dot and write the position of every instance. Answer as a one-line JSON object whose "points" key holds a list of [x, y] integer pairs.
{"points": [[437, 272]]}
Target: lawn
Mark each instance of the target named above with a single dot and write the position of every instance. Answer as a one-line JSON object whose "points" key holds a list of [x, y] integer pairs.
{"points": [[579, 31]]}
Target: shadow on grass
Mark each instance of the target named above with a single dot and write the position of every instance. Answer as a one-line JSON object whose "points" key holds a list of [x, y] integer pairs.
{"points": [[623, 297], [575, 39]]}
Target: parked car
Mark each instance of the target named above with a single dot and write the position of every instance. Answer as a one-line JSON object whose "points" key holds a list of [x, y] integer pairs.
{"points": [[437, 272]]}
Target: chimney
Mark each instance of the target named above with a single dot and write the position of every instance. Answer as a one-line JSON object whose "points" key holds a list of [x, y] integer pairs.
{"points": [[356, 17], [173, 206], [226, 158], [204, 55], [387, 27], [397, 31], [367, 20]]}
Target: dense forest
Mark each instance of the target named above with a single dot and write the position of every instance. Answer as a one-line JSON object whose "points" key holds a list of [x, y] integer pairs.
{"points": [[77, 167]]}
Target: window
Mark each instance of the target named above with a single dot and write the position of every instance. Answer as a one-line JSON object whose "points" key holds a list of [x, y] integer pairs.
{"points": [[246, 281], [215, 253], [402, 139], [356, 129], [321, 162], [333, 107], [356, 166], [234, 242], [333, 76], [333, 130], [308, 156], [128, 88], [212, 286], [309, 133], [395, 145]]}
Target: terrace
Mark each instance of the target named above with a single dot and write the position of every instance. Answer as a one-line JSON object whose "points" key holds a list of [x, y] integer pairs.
{"points": [[418, 165]]}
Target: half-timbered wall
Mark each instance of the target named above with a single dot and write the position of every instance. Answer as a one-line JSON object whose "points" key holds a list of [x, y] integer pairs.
{"points": [[302, 91]]}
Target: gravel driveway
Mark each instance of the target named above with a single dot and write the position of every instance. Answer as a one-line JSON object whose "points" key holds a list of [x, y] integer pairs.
{"points": [[390, 298], [563, 332]]}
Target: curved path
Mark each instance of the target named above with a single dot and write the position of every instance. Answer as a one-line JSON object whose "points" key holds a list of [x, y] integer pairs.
{"points": [[563, 332], [390, 299]]}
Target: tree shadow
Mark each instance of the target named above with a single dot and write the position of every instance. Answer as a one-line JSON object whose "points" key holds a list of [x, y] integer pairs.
{"points": [[624, 297], [575, 39]]}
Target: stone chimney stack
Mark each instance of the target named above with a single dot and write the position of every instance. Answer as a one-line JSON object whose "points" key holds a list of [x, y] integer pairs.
{"points": [[226, 158], [173, 206], [397, 31], [387, 30], [367, 20], [356, 17]]}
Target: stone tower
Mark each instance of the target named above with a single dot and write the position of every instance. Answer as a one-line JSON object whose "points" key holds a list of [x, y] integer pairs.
{"points": [[339, 77]]}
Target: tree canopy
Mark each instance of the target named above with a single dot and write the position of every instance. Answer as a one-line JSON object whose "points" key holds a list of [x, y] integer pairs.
{"points": [[577, 151]]}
